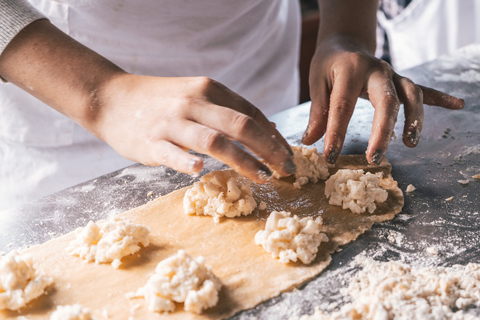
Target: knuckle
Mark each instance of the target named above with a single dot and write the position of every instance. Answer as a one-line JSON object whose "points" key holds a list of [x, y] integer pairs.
{"points": [[343, 106], [204, 84], [212, 140], [242, 123]]}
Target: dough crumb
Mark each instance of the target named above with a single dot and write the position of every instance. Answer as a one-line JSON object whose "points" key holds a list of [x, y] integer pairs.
{"points": [[355, 190], [450, 199], [311, 166], [410, 188], [476, 177], [262, 205], [219, 194], [20, 282], [183, 279], [394, 290], [463, 182], [291, 238], [108, 241], [432, 250], [71, 312]]}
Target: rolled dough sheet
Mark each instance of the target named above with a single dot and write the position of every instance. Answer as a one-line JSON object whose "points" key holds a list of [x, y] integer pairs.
{"points": [[248, 273]]}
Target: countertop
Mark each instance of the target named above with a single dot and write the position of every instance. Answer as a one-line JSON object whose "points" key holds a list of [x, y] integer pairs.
{"points": [[449, 151]]}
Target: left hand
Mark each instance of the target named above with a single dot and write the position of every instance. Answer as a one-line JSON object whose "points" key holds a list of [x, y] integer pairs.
{"points": [[343, 70]]}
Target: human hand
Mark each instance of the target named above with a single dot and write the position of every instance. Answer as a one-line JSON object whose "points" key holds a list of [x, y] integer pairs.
{"points": [[155, 121], [343, 70]]}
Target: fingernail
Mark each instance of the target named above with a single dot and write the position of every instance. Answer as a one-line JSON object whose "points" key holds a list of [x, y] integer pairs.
{"points": [[191, 164], [332, 156], [414, 137], [264, 173], [377, 156], [289, 167]]}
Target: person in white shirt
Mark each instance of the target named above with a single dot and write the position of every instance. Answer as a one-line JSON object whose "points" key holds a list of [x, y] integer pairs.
{"points": [[154, 80]]}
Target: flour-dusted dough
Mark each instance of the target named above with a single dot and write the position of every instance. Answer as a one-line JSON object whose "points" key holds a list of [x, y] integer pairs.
{"points": [[291, 238], [395, 290], [219, 194], [248, 275], [71, 312], [311, 166], [355, 190], [108, 241], [183, 279], [20, 283]]}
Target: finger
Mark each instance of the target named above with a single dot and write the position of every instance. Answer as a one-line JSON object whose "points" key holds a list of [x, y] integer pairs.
{"points": [[437, 98], [317, 122], [209, 141], [165, 153], [412, 97], [244, 129], [220, 95], [343, 98], [383, 97]]}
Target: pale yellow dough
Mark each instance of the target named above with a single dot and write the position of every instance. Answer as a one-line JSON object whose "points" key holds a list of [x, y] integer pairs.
{"points": [[248, 274]]}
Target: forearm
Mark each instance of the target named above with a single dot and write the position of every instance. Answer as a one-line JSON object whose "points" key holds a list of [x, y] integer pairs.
{"points": [[355, 19], [58, 70]]}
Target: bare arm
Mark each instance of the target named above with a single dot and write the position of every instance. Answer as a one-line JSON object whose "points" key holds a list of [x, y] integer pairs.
{"points": [[344, 67], [152, 120]]}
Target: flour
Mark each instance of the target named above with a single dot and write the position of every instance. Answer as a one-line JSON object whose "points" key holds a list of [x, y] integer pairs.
{"points": [[395, 290], [71, 312]]}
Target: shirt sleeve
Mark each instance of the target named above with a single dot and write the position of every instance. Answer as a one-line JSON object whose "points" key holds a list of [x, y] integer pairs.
{"points": [[14, 16]]}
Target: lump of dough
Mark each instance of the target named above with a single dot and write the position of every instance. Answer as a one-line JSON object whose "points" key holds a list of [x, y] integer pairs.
{"points": [[290, 238], [219, 194], [183, 279], [19, 281], [108, 241], [71, 312], [311, 166], [355, 190]]}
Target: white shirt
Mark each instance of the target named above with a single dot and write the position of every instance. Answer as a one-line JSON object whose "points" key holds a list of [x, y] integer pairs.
{"points": [[251, 46]]}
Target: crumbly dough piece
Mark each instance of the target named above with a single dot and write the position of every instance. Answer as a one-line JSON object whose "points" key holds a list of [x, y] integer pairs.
{"points": [[219, 194], [410, 188], [108, 241], [20, 283], [71, 312], [291, 238], [183, 279], [355, 190], [311, 166], [395, 290]]}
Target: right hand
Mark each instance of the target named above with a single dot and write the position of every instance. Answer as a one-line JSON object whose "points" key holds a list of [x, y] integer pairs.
{"points": [[155, 121]]}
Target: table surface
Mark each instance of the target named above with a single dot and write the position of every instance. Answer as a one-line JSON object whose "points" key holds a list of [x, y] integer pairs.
{"points": [[449, 150]]}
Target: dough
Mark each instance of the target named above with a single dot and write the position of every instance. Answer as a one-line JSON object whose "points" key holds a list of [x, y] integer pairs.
{"points": [[395, 290], [290, 238], [108, 241], [20, 283], [73, 312], [219, 194], [181, 278], [249, 276], [355, 190], [311, 166]]}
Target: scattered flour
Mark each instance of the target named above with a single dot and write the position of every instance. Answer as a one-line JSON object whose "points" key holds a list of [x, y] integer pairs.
{"points": [[71, 312], [108, 241], [183, 279], [311, 166], [355, 190], [219, 194], [19, 281], [290, 238], [394, 290]]}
